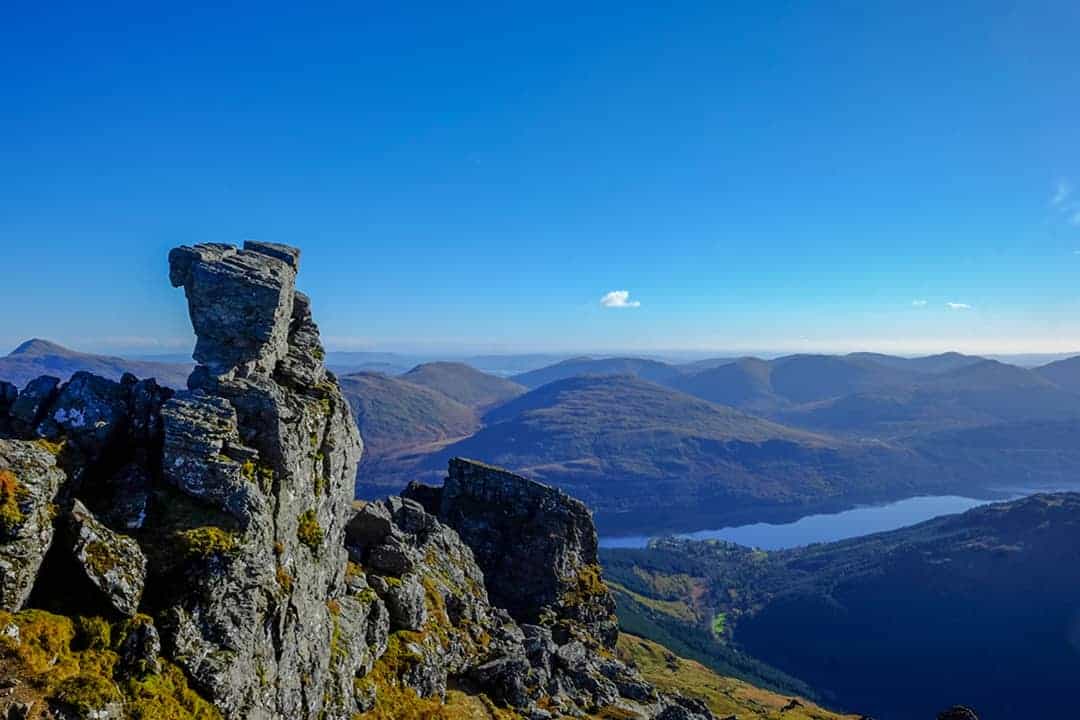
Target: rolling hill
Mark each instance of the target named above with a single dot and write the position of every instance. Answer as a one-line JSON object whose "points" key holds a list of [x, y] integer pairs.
{"points": [[393, 413], [644, 455], [464, 383], [40, 357]]}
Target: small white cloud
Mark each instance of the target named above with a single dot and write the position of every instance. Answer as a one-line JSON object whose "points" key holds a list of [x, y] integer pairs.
{"points": [[958, 306], [1061, 193], [619, 299], [918, 303]]}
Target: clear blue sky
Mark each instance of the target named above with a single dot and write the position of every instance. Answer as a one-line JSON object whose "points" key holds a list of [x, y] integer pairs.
{"points": [[757, 175]]}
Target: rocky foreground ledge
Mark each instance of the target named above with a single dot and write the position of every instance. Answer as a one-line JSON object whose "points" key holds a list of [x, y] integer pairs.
{"points": [[198, 555]]}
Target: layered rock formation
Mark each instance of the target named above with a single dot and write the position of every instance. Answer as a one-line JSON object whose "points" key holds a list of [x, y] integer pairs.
{"points": [[197, 554]]}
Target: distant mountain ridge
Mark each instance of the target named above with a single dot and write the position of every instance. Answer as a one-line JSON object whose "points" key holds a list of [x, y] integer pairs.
{"points": [[41, 357], [649, 444]]}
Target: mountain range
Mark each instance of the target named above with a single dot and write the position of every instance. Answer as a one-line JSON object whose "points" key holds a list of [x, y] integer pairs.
{"points": [[654, 446]]}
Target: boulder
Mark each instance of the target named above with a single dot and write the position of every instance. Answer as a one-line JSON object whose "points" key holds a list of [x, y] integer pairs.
{"points": [[404, 599], [536, 545], [8, 395], [199, 430], [240, 302], [504, 680], [30, 405], [89, 411], [139, 648], [113, 563], [29, 483]]}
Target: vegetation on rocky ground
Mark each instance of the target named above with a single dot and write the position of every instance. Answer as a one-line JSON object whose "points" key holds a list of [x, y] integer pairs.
{"points": [[74, 662], [725, 696]]}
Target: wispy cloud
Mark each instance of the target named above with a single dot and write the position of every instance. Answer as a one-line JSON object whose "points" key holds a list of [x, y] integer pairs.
{"points": [[619, 299], [918, 303], [1062, 191], [957, 306]]}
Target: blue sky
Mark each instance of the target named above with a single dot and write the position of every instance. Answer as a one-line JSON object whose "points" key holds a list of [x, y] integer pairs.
{"points": [[786, 176]]}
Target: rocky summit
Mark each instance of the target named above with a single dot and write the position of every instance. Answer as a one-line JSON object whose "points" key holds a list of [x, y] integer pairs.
{"points": [[197, 554]]}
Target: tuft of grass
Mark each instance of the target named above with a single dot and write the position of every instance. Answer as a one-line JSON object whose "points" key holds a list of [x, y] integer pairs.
{"points": [[207, 541], [587, 585], [87, 693], [308, 531]]}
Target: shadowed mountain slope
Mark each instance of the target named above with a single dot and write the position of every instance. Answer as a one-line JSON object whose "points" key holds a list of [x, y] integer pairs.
{"points": [[969, 607]]}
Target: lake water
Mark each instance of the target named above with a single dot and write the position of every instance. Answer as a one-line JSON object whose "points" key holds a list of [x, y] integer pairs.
{"points": [[824, 528]]}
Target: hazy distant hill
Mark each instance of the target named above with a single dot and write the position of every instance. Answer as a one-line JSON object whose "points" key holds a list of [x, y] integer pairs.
{"points": [[652, 370], [463, 383], [392, 413], [983, 393], [41, 357], [930, 364], [745, 383], [967, 607], [1064, 373]]}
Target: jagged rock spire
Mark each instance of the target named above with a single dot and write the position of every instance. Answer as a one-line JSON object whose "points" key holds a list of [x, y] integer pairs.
{"points": [[240, 301]]}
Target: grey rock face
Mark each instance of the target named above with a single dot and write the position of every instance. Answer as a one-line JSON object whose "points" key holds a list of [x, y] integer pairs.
{"points": [[90, 411], [269, 629], [240, 301], [114, 564], [139, 649], [200, 435], [8, 394], [536, 545], [31, 404], [29, 482]]}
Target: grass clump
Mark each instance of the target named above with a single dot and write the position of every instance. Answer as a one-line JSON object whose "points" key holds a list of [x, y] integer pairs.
{"points": [[73, 662], [587, 585], [86, 693], [53, 447], [207, 541], [258, 475], [166, 696], [308, 530], [284, 579], [12, 492], [93, 633]]}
